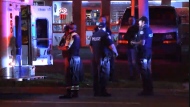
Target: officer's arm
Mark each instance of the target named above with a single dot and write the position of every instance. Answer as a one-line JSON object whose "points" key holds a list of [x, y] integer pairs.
{"points": [[108, 30], [140, 42], [142, 39], [90, 45], [113, 48], [110, 44]]}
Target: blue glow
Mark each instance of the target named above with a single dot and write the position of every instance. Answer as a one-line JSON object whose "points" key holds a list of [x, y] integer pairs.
{"points": [[33, 31]]}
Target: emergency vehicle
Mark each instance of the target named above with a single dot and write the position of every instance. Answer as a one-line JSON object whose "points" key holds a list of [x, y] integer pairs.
{"points": [[164, 22], [25, 39]]}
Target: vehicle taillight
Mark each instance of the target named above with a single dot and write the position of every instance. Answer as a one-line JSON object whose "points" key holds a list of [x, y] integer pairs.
{"points": [[169, 41], [122, 41], [170, 38]]}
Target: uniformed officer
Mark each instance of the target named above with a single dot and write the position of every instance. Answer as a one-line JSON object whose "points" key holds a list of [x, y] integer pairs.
{"points": [[145, 49], [73, 68], [102, 19], [100, 45]]}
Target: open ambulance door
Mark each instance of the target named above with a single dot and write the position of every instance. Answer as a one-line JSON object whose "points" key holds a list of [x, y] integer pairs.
{"points": [[40, 38]]}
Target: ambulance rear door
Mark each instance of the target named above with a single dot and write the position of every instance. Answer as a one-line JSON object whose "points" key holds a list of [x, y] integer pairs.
{"points": [[41, 35]]}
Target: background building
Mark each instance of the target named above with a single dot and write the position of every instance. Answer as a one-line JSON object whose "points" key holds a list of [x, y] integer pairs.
{"points": [[85, 14]]}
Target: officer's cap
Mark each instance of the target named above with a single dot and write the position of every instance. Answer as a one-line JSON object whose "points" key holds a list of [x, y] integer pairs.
{"points": [[101, 25], [144, 18]]}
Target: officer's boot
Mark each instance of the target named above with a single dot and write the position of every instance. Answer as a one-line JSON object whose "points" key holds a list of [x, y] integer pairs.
{"points": [[68, 95], [75, 93], [104, 92], [74, 90]]}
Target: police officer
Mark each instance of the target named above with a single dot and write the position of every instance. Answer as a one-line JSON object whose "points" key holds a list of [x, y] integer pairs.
{"points": [[100, 45], [73, 66], [131, 35], [145, 55], [102, 19]]}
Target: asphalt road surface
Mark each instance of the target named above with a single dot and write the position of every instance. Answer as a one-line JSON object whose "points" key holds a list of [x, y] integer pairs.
{"points": [[120, 98]]}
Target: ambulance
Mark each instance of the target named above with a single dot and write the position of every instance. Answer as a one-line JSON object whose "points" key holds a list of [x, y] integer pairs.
{"points": [[25, 39]]}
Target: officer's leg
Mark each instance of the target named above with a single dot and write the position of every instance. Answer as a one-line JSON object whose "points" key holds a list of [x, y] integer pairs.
{"points": [[95, 73], [104, 76], [143, 71], [81, 72], [67, 80], [150, 86], [75, 69], [146, 78], [67, 72], [75, 72], [149, 65], [112, 68], [74, 90]]}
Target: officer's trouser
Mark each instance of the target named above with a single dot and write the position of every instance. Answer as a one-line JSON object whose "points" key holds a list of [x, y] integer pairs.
{"points": [[101, 72], [112, 67], [72, 76], [145, 70]]}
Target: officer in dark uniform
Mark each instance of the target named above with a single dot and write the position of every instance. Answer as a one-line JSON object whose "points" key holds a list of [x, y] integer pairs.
{"points": [[102, 19], [145, 55], [131, 35], [72, 74], [100, 46]]}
